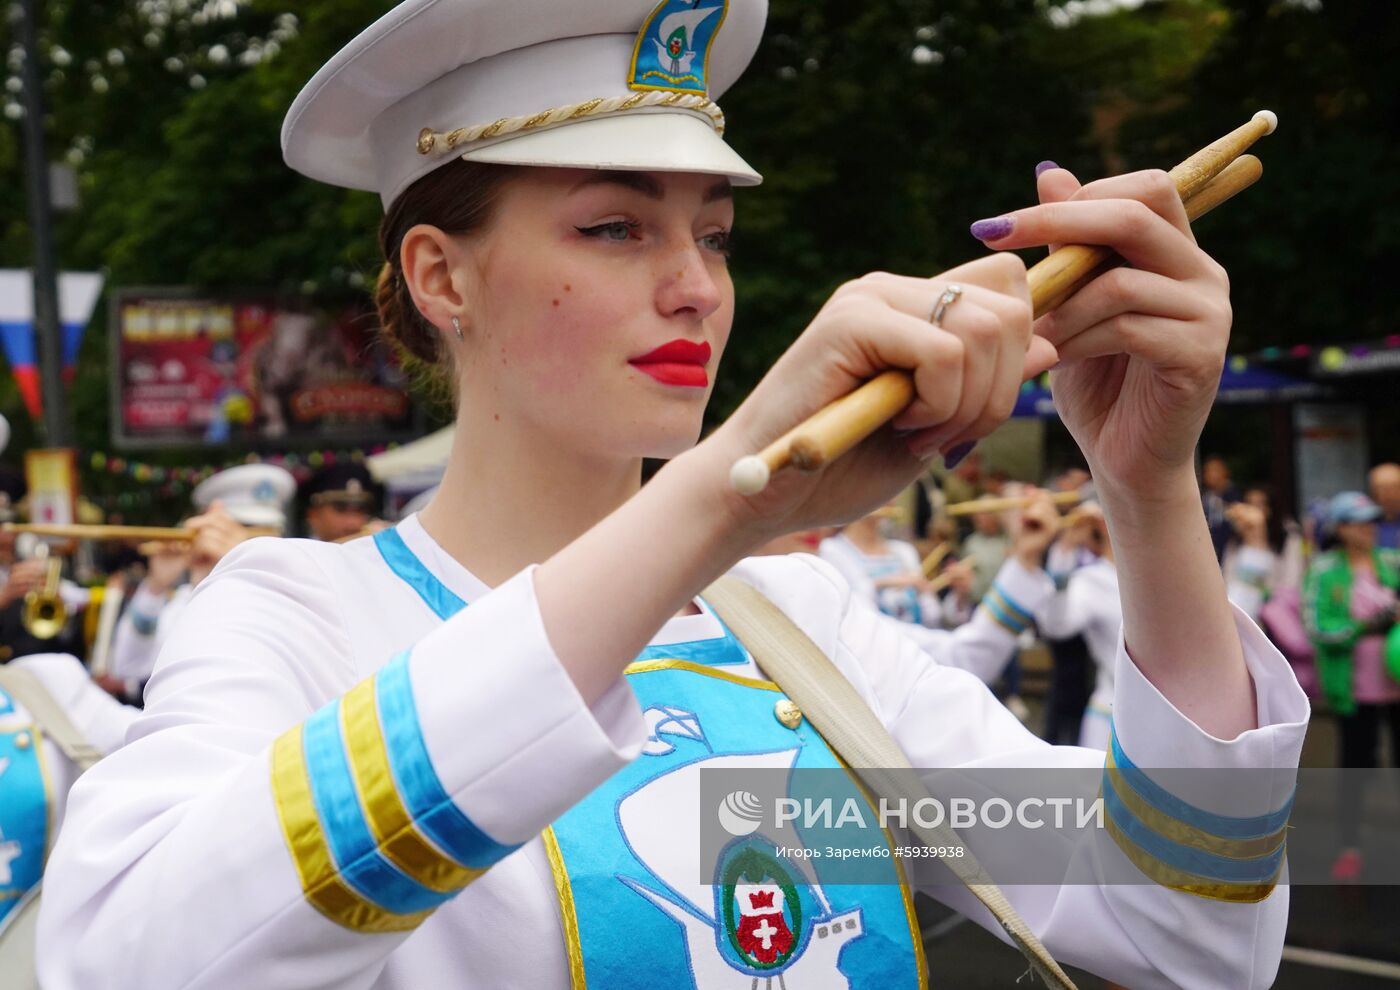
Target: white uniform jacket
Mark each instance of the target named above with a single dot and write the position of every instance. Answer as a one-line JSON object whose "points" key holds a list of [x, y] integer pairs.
{"points": [[985, 644], [1089, 606], [141, 631], [218, 824]]}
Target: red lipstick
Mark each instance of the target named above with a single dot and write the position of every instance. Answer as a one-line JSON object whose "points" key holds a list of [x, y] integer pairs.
{"points": [[680, 362]]}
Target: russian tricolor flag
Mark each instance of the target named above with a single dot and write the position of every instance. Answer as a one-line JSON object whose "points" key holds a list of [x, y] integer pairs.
{"points": [[77, 296]]}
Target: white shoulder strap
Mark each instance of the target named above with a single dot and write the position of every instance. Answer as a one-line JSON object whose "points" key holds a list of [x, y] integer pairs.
{"points": [[830, 702], [30, 692]]}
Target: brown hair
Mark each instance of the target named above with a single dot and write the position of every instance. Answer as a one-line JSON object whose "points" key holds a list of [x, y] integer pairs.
{"points": [[457, 198]]}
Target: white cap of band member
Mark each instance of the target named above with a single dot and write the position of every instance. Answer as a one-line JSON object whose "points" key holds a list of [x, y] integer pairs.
{"points": [[610, 84], [254, 494]]}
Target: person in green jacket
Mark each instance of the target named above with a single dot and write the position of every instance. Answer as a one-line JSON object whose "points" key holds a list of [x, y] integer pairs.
{"points": [[1349, 604]]}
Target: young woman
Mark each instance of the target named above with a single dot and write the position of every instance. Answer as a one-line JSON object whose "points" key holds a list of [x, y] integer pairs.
{"points": [[1349, 604], [434, 756]]}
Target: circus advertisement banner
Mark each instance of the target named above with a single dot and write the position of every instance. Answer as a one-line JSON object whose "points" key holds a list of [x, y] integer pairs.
{"points": [[193, 371]]}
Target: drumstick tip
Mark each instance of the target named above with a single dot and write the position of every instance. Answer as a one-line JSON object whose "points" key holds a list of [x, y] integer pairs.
{"points": [[749, 476], [1270, 118]]}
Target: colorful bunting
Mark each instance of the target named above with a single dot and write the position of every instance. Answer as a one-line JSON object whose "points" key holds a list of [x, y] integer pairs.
{"points": [[302, 465]]}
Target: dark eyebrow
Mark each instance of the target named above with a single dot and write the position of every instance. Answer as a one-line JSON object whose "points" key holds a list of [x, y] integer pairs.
{"points": [[646, 185], [636, 181], [720, 190]]}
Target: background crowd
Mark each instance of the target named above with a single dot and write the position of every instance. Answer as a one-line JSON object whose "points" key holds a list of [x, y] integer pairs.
{"points": [[165, 113]]}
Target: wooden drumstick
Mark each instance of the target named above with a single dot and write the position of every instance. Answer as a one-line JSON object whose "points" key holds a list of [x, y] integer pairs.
{"points": [[935, 557], [1001, 504], [844, 423], [1051, 284]]}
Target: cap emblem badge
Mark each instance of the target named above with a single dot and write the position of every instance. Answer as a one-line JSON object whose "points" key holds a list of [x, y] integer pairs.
{"points": [[672, 51]]}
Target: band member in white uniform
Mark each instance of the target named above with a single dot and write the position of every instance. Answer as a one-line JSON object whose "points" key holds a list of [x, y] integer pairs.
{"points": [[229, 503], [1088, 605], [36, 774], [886, 571], [433, 756]]}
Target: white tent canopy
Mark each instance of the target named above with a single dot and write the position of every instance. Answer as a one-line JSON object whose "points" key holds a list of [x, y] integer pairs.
{"points": [[416, 465]]}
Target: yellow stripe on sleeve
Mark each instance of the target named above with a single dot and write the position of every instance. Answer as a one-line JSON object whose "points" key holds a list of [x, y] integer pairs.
{"points": [[1188, 883], [301, 828], [390, 823], [1184, 833]]}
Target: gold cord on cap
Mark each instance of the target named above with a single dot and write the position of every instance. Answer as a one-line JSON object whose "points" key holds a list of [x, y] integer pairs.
{"points": [[430, 140]]}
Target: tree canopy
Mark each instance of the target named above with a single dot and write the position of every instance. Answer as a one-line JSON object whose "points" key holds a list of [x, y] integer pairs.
{"points": [[883, 129]]}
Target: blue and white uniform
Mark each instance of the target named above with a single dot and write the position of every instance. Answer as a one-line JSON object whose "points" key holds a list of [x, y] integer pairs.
{"points": [[254, 495], [862, 570], [141, 630], [390, 777], [35, 775], [360, 767]]}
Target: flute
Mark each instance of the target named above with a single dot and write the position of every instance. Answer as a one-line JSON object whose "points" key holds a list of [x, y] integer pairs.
{"points": [[80, 531], [1204, 181]]}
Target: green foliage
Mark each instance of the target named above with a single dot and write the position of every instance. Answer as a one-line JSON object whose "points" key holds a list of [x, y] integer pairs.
{"points": [[883, 130], [1308, 248], [876, 157]]}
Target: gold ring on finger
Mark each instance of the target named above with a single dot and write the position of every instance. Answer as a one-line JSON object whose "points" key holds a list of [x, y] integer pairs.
{"points": [[950, 295]]}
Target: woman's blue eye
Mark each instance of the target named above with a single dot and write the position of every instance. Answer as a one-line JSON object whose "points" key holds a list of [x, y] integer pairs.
{"points": [[617, 231], [718, 241]]}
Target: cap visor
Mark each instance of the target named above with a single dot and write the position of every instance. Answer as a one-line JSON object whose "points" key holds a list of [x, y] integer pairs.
{"points": [[637, 142]]}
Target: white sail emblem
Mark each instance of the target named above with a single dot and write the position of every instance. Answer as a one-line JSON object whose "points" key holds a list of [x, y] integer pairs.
{"points": [[673, 46], [674, 35]]}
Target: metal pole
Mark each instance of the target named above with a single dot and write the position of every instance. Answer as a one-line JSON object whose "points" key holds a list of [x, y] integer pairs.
{"points": [[46, 314]]}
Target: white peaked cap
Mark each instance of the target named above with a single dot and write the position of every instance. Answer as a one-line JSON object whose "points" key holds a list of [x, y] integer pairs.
{"points": [[254, 494], [378, 115]]}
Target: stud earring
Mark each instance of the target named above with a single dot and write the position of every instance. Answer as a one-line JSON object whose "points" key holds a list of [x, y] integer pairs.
{"points": [[457, 326]]}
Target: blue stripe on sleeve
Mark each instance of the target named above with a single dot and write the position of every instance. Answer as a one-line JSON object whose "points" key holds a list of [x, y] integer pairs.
{"points": [[1224, 826], [422, 792], [1195, 861], [342, 821], [1025, 617], [993, 606]]}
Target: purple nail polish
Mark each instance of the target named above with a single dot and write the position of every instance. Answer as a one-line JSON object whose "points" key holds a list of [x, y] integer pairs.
{"points": [[1044, 166], [993, 229], [958, 454]]}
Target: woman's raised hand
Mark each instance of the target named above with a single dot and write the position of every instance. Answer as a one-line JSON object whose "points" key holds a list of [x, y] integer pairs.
{"points": [[966, 374], [1141, 347]]}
